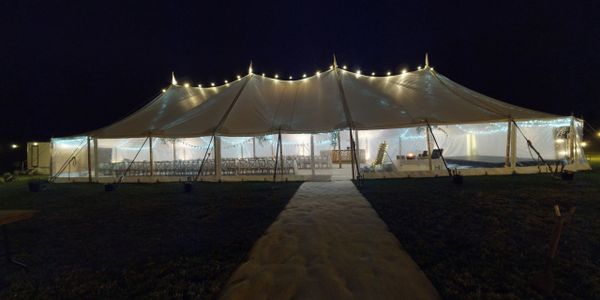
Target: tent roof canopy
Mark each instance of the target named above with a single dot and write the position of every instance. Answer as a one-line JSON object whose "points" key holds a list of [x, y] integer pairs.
{"points": [[334, 99]]}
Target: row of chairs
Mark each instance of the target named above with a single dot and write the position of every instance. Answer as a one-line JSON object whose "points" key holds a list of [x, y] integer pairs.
{"points": [[321, 162], [229, 166]]}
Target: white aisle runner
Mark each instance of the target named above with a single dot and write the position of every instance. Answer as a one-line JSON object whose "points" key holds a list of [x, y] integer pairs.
{"points": [[328, 243]]}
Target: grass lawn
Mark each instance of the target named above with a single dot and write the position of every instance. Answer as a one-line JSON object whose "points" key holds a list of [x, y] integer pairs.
{"points": [[485, 239], [141, 241]]}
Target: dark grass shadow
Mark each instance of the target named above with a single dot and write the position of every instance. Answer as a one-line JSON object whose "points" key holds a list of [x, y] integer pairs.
{"points": [[142, 240], [484, 239]]}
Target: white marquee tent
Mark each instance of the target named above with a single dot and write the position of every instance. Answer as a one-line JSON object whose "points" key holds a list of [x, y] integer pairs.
{"points": [[322, 123]]}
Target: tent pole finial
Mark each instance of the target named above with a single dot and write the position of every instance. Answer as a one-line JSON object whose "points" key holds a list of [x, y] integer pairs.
{"points": [[335, 65], [173, 80], [250, 68], [426, 60]]}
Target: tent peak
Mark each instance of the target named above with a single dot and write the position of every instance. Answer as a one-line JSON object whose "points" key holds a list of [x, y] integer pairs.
{"points": [[173, 80]]}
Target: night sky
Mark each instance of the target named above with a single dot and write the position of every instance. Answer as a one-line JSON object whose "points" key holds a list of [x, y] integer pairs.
{"points": [[70, 68]]}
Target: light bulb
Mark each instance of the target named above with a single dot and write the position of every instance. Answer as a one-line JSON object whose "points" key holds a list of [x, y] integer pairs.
{"points": [[404, 71], [389, 73], [226, 81], [276, 76], [199, 85], [290, 77], [319, 73], [263, 74], [344, 67], [238, 77], [372, 73], [186, 84], [358, 72], [303, 75], [212, 84], [163, 90]]}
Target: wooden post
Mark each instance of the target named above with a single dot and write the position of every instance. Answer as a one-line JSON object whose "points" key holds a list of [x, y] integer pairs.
{"points": [[312, 154], [96, 160], [508, 131], [513, 146], [429, 149], [151, 157], [89, 159], [217, 158]]}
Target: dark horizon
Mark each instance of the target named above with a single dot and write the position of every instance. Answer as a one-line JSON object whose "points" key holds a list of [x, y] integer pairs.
{"points": [[73, 68]]}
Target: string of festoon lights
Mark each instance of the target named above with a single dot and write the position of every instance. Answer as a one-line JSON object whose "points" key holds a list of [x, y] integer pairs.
{"points": [[304, 77]]}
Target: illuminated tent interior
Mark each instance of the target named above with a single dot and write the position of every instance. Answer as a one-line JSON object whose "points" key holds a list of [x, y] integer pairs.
{"points": [[332, 124]]}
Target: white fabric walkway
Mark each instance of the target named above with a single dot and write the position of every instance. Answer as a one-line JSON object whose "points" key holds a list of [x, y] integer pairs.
{"points": [[328, 243]]}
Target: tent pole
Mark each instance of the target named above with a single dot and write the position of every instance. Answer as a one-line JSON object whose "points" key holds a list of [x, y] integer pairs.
{"points": [[352, 162], [51, 159], [312, 154], [429, 149], [437, 146], [276, 159], [218, 158], [254, 147], [174, 150], [508, 131], [572, 140], [281, 153], [357, 145], [151, 157], [89, 159], [96, 161], [513, 146], [339, 142]]}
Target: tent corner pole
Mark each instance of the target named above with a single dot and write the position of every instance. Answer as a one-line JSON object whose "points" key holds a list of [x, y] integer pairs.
{"points": [[96, 161], [429, 148], [312, 154], [151, 156], [218, 158], [572, 137], [508, 135], [513, 145], [352, 153], [339, 144], [89, 159]]}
